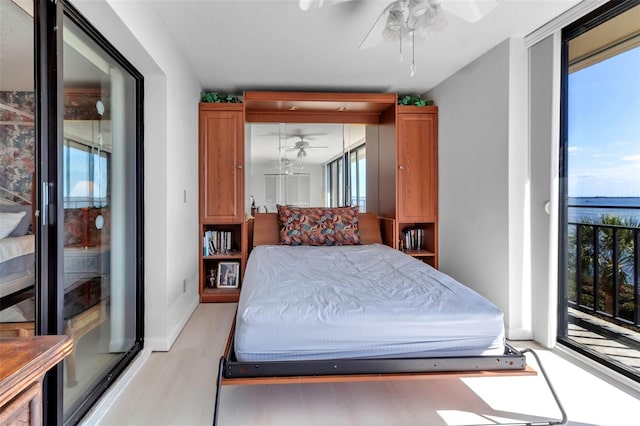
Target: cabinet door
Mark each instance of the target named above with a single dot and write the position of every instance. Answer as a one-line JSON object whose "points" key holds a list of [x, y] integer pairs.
{"points": [[417, 167], [221, 166]]}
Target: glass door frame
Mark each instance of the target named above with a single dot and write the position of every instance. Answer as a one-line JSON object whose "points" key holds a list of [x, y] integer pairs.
{"points": [[48, 16], [586, 23]]}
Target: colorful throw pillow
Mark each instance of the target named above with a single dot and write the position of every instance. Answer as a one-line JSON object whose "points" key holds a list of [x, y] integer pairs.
{"points": [[317, 226]]}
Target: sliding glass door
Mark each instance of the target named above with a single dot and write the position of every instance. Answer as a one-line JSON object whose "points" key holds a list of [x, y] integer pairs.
{"points": [[100, 190], [600, 272], [70, 198]]}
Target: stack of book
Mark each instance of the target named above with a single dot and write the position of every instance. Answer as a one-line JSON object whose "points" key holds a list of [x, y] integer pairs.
{"points": [[413, 239], [216, 242]]}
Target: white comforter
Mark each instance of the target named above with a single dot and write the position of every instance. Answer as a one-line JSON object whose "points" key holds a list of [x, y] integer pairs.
{"points": [[301, 303]]}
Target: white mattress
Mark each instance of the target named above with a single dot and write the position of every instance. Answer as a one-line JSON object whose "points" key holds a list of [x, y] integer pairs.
{"points": [[369, 301], [17, 263]]}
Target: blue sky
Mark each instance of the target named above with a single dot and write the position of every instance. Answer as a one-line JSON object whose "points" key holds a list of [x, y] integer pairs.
{"points": [[604, 128]]}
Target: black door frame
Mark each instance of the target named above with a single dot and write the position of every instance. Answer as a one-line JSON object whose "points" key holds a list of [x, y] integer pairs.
{"points": [[49, 96]]}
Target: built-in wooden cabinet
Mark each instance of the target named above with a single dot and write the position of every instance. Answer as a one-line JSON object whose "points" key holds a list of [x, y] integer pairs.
{"points": [[221, 163], [402, 168], [221, 170], [417, 180], [417, 158], [408, 176]]}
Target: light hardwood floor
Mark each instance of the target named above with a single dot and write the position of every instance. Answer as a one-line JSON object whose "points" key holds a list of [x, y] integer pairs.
{"points": [[178, 388]]}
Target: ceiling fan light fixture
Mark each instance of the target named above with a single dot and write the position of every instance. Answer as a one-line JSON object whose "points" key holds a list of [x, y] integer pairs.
{"points": [[395, 25]]}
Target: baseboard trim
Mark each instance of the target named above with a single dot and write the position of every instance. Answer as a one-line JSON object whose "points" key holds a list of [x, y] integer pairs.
{"points": [[164, 345], [518, 334], [100, 408], [175, 332]]}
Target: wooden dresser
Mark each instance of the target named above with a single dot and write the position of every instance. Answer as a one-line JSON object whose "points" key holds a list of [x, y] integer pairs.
{"points": [[23, 364]]}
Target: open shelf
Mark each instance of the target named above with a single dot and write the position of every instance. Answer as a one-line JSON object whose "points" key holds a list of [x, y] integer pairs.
{"points": [[209, 263], [420, 253], [223, 256], [219, 295]]}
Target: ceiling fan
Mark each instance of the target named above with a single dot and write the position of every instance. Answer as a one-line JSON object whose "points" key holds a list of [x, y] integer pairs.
{"points": [[403, 20], [302, 146]]}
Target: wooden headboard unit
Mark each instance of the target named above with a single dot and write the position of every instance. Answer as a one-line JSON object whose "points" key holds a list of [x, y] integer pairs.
{"points": [[266, 229]]}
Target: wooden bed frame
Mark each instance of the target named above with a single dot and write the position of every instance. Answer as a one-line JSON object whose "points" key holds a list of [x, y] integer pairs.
{"points": [[233, 372]]}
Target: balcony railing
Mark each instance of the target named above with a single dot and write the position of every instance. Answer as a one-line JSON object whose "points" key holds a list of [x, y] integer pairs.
{"points": [[603, 270]]}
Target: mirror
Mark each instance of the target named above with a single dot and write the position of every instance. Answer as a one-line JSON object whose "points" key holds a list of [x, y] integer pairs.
{"points": [[304, 165]]}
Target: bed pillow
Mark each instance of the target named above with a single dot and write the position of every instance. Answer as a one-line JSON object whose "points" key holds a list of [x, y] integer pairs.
{"points": [[25, 222], [317, 226], [9, 222]]}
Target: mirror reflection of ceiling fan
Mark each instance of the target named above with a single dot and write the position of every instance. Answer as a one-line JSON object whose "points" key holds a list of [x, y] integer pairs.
{"points": [[302, 146], [402, 21]]}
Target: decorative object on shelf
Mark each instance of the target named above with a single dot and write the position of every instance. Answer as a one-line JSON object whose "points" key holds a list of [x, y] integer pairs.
{"points": [[212, 278], [218, 98], [413, 100], [228, 274], [254, 209]]}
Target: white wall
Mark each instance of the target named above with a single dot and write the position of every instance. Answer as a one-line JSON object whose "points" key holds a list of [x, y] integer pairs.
{"points": [[544, 82], [170, 161], [483, 157]]}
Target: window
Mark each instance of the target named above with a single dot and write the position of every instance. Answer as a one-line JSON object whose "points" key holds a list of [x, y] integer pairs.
{"points": [[358, 177], [334, 183], [347, 185], [85, 182]]}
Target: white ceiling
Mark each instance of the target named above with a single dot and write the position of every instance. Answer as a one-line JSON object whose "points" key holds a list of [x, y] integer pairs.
{"points": [[233, 46], [240, 45]]}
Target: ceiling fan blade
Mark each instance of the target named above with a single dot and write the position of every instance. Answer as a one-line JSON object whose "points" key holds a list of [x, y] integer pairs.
{"points": [[469, 10], [374, 36], [432, 19], [314, 4], [305, 137], [312, 147]]}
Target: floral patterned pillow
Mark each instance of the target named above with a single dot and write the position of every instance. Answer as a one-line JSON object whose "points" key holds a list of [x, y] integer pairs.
{"points": [[317, 226]]}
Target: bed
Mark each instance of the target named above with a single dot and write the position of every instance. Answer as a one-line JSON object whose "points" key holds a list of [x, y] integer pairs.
{"points": [[357, 312], [17, 265]]}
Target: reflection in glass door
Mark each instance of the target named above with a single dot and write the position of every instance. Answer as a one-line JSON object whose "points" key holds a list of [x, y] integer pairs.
{"points": [[17, 167], [100, 224]]}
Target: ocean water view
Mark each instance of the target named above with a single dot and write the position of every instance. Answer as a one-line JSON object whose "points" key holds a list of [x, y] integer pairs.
{"points": [[592, 208]]}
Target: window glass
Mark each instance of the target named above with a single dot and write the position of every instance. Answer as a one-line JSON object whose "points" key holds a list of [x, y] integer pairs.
{"points": [[99, 172]]}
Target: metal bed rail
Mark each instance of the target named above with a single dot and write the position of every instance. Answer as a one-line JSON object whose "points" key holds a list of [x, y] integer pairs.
{"points": [[232, 372]]}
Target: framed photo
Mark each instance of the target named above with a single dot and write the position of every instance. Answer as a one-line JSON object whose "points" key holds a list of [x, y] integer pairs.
{"points": [[228, 274]]}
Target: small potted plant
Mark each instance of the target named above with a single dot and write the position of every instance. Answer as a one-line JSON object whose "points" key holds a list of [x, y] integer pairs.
{"points": [[414, 101], [216, 97]]}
